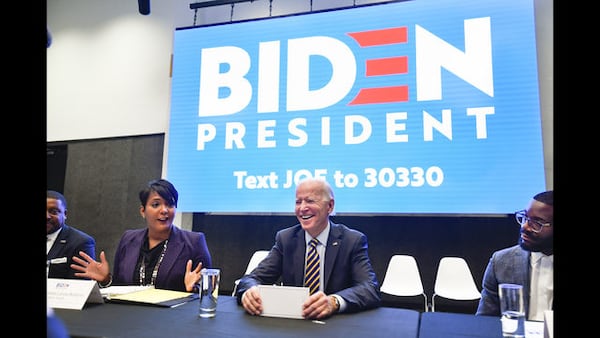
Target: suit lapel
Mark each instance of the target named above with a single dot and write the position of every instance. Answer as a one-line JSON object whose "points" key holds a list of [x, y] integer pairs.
{"points": [[129, 262], [299, 256], [174, 247], [57, 248], [334, 242]]}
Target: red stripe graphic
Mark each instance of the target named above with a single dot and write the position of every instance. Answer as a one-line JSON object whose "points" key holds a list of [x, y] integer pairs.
{"points": [[381, 36], [388, 66], [381, 95], [382, 66]]}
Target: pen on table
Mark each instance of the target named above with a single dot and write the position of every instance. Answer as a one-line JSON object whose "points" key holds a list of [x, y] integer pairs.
{"points": [[318, 321]]}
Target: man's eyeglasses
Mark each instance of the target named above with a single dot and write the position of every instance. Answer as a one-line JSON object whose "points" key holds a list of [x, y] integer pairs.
{"points": [[536, 226]]}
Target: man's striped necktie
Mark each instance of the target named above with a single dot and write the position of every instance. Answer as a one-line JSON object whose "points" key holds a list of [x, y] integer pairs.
{"points": [[313, 267]]}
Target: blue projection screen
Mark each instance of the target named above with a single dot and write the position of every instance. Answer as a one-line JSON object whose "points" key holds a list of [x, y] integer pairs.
{"points": [[428, 106]]}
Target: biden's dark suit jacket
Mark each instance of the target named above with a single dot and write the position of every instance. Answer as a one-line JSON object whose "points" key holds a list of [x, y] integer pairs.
{"points": [[68, 244], [182, 245], [347, 267]]}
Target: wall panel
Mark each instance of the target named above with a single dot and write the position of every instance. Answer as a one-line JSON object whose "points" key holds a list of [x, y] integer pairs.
{"points": [[102, 181]]}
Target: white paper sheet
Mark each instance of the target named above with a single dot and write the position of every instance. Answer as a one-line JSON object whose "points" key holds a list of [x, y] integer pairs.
{"points": [[283, 301], [534, 329], [121, 290]]}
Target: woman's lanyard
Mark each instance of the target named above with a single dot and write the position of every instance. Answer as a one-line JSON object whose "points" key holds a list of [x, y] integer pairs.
{"points": [[155, 271]]}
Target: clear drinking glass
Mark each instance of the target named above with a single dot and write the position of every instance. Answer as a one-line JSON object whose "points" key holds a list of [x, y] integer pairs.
{"points": [[209, 292]]}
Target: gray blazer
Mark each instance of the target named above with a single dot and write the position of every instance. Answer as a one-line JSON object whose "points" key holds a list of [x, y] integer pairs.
{"points": [[347, 273], [509, 265]]}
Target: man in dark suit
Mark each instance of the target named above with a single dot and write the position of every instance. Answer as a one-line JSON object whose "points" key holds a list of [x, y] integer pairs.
{"points": [[63, 241], [347, 279], [529, 263]]}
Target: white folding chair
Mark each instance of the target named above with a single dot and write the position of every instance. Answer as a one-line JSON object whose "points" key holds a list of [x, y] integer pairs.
{"points": [[403, 278], [454, 281], [256, 258]]}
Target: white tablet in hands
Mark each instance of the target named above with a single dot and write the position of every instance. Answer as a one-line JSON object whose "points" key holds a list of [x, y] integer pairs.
{"points": [[283, 301]]}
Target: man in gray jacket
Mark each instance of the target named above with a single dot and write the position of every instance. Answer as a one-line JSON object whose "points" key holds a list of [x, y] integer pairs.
{"points": [[530, 263]]}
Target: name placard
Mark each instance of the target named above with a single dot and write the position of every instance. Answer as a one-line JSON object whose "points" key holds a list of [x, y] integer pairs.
{"points": [[72, 293]]}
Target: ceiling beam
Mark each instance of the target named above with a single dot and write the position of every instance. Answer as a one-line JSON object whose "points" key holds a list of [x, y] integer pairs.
{"points": [[212, 3]]}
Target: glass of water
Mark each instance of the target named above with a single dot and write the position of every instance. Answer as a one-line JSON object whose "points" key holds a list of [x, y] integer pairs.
{"points": [[512, 310], [209, 292]]}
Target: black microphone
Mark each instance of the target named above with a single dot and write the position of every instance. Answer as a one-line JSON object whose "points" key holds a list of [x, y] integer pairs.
{"points": [[48, 38], [144, 7]]}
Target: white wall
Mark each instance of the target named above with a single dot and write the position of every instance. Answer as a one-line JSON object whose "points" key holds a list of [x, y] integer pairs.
{"points": [[108, 66]]}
